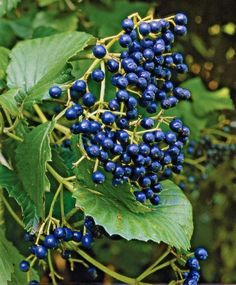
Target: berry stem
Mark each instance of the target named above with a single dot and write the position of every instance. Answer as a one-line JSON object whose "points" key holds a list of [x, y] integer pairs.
{"points": [[150, 268], [12, 212], [59, 189], [117, 276], [60, 179], [52, 275]]}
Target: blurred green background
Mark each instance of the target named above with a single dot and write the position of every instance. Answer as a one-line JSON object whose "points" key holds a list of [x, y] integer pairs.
{"points": [[210, 49]]}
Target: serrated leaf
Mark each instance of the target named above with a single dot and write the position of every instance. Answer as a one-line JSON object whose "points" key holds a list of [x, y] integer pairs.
{"points": [[8, 102], [36, 64], [31, 156], [4, 59], [7, 5], [10, 258], [58, 21], [205, 101], [11, 183], [169, 222]]}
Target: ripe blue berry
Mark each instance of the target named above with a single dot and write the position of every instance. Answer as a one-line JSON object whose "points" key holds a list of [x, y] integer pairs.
{"points": [[77, 236], [201, 253], [68, 234], [127, 24], [79, 86], [125, 40], [59, 233], [180, 30], [110, 166], [92, 271], [180, 19], [98, 177], [71, 113], [147, 123], [87, 240], [97, 75], [140, 196], [24, 266], [88, 99], [112, 65], [144, 29], [192, 263], [155, 200], [55, 91], [50, 241], [93, 151], [41, 252], [99, 51], [108, 118]]}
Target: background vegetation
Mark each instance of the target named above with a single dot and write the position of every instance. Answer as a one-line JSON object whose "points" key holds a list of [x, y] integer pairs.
{"points": [[210, 49]]}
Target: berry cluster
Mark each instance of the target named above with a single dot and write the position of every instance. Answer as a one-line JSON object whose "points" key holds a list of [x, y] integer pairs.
{"points": [[57, 241], [192, 276], [120, 135], [215, 152], [208, 153]]}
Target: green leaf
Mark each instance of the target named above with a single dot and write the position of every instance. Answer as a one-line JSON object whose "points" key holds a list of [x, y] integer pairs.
{"points": [[7, 5], [43, 3], [37, 64], [4, 59], [169, 222], [32, 156], [108, 19], [10, 181], [7, 36], [205, 101], [10, 258], [58, 21], [8, 102]]}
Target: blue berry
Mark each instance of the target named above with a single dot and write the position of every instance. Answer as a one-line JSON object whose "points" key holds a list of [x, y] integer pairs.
{"points": [[147, 123], [144, 28], [50, 241], [180, 19], [112, 65], [98, 177], [77, 236], [127, 24], [133, 149], [55, 91], [24, 266], [99, 51], [79, 86], [192, 263], [97, 75], [125, 40], [155, 26], [41, 252], [68, 234], [71, 113], [176, 125], [155, 200], [59, 233], [201, 253], [180, 30], [29, 237], [87, 240], [110, 166], [93, 151], [140, 196], [122, 95], [88, 99], [114, 105], [92, 271], [108, 118]]}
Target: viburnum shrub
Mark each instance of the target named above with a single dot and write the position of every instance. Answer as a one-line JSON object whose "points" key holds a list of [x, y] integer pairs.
{"points": [[89, 153]]}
